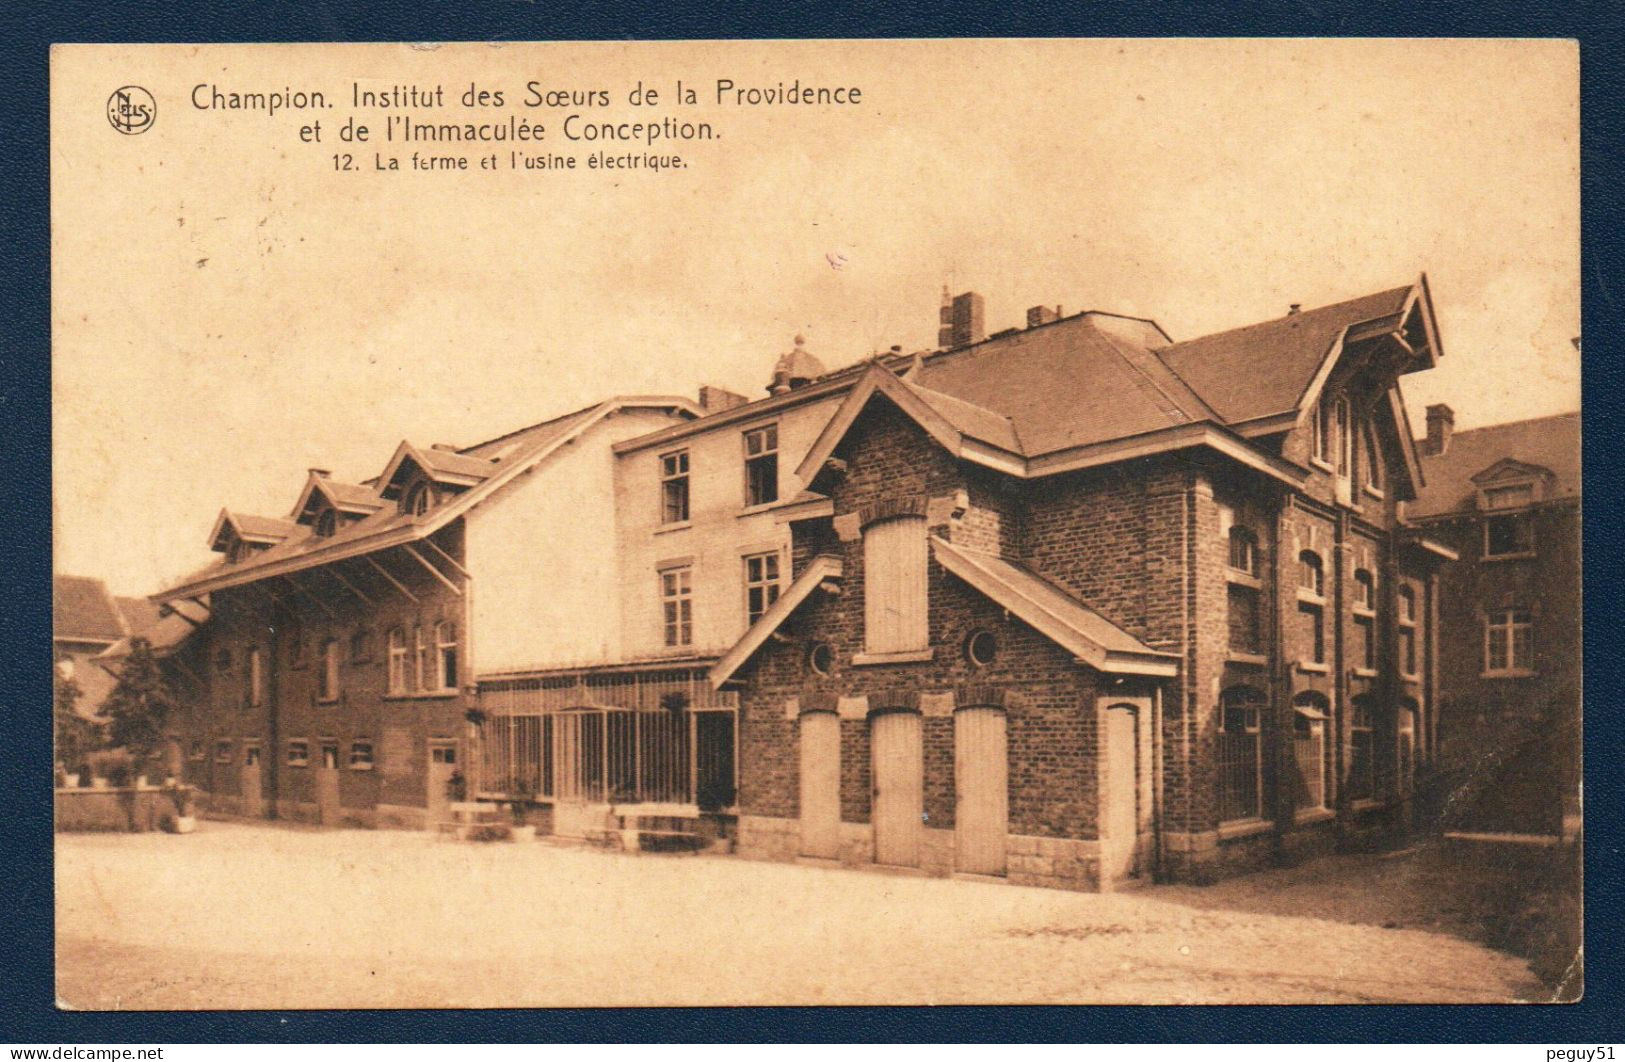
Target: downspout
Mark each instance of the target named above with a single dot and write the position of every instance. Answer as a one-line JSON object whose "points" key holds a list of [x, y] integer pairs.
{"points": [[270, 754], [1156, 782]]}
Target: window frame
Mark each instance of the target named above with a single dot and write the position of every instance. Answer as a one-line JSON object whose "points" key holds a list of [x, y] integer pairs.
{"points": [[1506, 633], [1244, 537], [447, 656], [422, 659], [418, 498], [1252, 706], [677, 605], [225, 750], [1524, 534], [675, 485], [329, 685], [254, 678], [327, 524], [396, 682], [760, 587], [765, 456], [1312, 710], [909, 637], [362, 763], [301, 759], [1372, 478]]}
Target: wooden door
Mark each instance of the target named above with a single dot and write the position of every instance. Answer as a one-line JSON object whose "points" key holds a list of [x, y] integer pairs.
{"points": [[981, 790], [821, 785], [328, 806], [442, 765], [253, 803], [1120, 813], [899, 783]]}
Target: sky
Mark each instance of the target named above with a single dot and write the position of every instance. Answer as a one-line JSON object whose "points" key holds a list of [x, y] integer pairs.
{"points": [[230, 309]]}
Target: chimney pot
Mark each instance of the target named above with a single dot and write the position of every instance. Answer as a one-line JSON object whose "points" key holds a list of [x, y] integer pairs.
{"points": [[1295, 309], [1441, 423], [1042, 315], [962, 321], [320, 473]]}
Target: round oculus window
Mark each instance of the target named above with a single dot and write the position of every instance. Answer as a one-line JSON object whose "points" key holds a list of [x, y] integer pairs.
{"points": [[981, 648], [821, 658]]}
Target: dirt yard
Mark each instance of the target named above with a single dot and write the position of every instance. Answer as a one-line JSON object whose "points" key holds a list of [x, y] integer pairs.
{"points": [[245, 916]]}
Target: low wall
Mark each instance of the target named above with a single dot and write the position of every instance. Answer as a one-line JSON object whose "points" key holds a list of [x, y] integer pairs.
{"points": [[123, 809]]}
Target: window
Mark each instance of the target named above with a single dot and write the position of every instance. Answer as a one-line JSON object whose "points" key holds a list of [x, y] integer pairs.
{"points": [[1405, 757], [1373, 459], [295, 636], [1509, 642], [298, 754], [1407, 630], [894, 591], [360, 646], [1245, 632], [821, 659], [1342, 429], [360, 755], [330, 670], [422, 658], [1309, 717], [1365, 591], [330, 756], [1321, 432], [327, 523], [195, 750], [254, 687], [1362, 762], [397, 661], [1508, 535], [761, 584], [1243, 550], [418, 499], [251, 755], [1312, 619], [222, 660], [981, 648], [677, 606], [1365, 647], [1311, 573], [762, 465], [674, 487], [222, 752], [1241, 754], [443, 754], [445, 645]]}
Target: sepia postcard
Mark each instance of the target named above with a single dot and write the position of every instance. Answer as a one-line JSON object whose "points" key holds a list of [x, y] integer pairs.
{"points": [[816, 522]]}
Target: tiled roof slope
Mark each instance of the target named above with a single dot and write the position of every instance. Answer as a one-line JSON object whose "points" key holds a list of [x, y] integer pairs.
{"points": [[83, 610], [1264, 369], [1549, 442], [140, 615]]}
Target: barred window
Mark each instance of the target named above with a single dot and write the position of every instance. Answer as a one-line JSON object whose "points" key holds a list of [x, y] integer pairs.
{"points": [[1241, 754]]}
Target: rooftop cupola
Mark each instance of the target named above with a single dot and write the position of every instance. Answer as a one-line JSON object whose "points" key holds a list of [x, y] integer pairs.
{"points": [[795, 368]]}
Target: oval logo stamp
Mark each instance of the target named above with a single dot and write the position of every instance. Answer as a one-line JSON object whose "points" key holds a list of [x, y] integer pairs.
{"points": [[131, 109]]}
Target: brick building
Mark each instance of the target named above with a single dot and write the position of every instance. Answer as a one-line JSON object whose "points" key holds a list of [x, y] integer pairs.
{"points": [[1077, 604], [1507, 499], [344, 646]]}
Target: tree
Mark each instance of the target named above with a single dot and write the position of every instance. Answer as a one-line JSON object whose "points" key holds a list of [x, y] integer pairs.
{"points": [[141, 702], [75, 735]]}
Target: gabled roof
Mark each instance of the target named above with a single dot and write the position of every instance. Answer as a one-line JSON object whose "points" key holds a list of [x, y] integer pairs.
{"points": [[823, 567], [260, 530], [500, 460], [1269, 368], [1060, 617], [1550, 443], [442, 466], [351, 498], [166, 633], [83, 610]]}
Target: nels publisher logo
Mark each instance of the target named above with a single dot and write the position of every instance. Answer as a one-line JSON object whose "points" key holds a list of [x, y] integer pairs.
{"points": [[131, 109]]}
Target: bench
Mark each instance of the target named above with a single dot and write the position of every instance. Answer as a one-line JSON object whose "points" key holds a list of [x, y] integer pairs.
{"points": [[466, 815], [672, 824]]}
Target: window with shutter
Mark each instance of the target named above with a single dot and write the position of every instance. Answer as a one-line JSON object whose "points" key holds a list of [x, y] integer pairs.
{"points": [[894, 565]]}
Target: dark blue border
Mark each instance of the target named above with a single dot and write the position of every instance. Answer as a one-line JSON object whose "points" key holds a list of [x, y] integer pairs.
{"points": [[27, 1014]]}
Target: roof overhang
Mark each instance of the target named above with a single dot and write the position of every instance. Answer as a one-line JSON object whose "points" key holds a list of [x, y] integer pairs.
{"points": [[228, 519], [1436, 549], [319, 486], [1051, 621], [823, 567]]}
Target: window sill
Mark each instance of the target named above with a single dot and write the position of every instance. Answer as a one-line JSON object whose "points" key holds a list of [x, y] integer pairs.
{"points": [[1510, 673], [1308, 816], [1365, 804], [680, 525], [1314, 668], [360, 766], [753, 510], [327, 700], [1322, 465], [1495, 558], [1365, 613], [1309, 597], [304, 764], [1375, 492], [1236, 656], [426, 695], [908, 656], [1363, 672], [1241, 578], [1230, 831], [1411, 680]]}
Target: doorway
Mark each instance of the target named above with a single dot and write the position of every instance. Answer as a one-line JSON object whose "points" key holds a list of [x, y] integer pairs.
{"points": [[820, 785], [442, 765], [1120, 804], [899, 784], [981, 790]]}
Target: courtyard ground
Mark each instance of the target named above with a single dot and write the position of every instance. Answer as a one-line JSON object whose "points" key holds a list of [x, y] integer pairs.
{"points": [[268, 916]]}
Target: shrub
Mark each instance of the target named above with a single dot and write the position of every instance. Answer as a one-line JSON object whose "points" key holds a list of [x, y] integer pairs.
{"points": [[490, 832]]}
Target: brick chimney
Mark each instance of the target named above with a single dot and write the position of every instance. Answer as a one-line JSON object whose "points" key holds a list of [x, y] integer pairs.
{"points": [[961, 320], [1042, 315], [1441, 422], [320, 473], [717, 399]]}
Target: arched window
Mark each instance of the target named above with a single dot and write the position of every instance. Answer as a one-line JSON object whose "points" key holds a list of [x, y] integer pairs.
{"points": [[330, 670], [445, 638], [1241, 754], [397, 661], [1310, 715], [1243, 550], [327, 523], [1312, 573], [417, 500], [1365, 589], [422, 658]]}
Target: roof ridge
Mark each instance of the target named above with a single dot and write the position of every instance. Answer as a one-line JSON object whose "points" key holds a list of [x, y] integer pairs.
{"points": [[463, 450], [1503, 424]]}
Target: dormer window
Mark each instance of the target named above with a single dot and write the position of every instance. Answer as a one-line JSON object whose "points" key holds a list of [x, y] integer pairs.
{"points": [[1513, 497], [417, 500], [328, 523], [238, 551]]}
